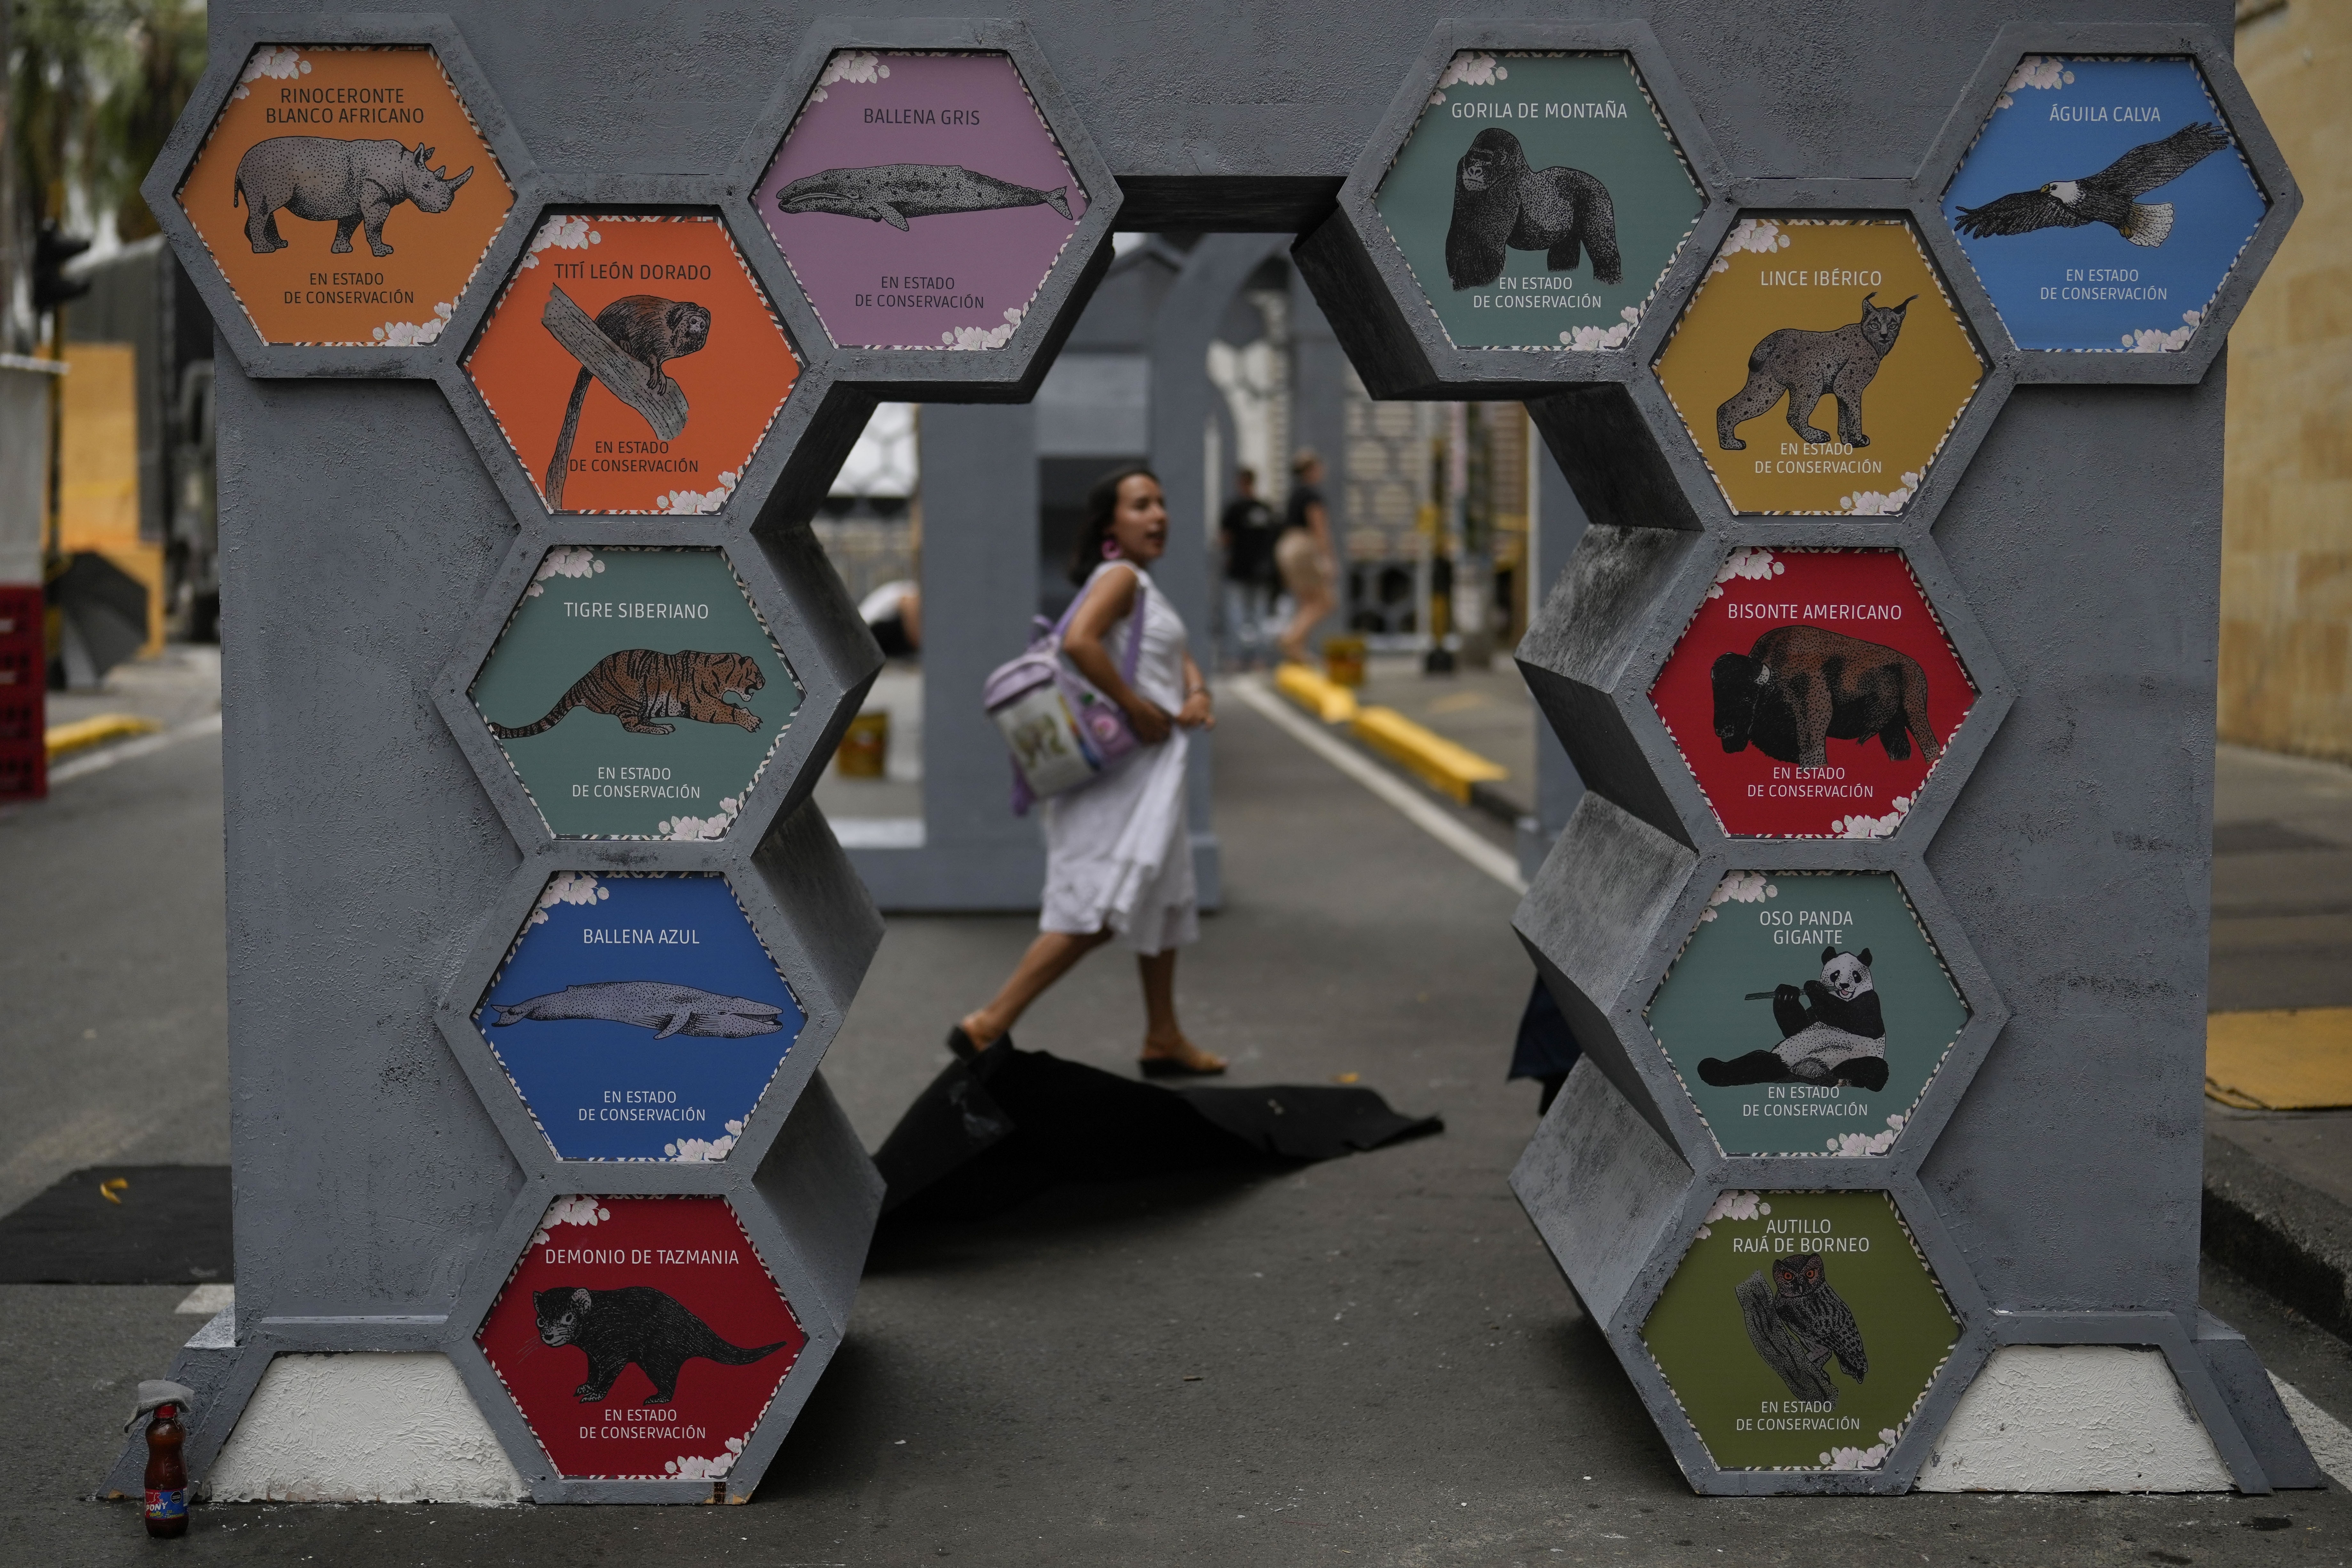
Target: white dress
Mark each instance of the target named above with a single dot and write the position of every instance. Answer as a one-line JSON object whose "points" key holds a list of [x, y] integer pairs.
{"points": [[1118, 852]]}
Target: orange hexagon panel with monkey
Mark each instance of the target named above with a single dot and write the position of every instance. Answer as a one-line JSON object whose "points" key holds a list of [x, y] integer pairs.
{"points": [[632, 362]]}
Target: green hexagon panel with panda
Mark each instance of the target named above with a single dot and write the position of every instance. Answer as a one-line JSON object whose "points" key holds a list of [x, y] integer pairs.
{"points": [[1801, 1331], [1807, 1013], [637, 692]]}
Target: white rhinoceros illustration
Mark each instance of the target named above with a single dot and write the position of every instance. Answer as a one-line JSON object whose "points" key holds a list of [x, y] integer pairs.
{"points": [[326, 177]]}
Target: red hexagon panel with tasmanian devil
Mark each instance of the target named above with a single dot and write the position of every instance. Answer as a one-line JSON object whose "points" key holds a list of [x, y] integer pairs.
{"points": [[632, 364], [642, 1338], [1812, 693], [920, 199], [346, 193]]}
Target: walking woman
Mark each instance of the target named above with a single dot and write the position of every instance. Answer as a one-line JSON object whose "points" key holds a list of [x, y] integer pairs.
{"points": [[1119, 859]]}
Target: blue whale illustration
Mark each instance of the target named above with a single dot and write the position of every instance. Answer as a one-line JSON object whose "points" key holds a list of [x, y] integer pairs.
{"points": [[654, 1004], [894, 192]]}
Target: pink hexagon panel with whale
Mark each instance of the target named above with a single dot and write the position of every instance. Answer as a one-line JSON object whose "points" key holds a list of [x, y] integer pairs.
{"points": [[920, 199]]}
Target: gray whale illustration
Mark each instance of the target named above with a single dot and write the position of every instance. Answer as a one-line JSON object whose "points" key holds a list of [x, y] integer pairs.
{"points": [[652, 1005], [892, 193]]}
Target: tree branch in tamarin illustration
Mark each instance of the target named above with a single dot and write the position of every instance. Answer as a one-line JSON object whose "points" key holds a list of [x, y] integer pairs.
{"points": [[632, 338]]}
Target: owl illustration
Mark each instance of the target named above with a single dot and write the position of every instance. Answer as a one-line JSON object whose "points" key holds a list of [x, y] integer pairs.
{"points": [[1804, 1300]]}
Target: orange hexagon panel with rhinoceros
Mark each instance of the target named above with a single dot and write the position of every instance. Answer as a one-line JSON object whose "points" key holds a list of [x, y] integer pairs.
{"points": [[346, 195]]}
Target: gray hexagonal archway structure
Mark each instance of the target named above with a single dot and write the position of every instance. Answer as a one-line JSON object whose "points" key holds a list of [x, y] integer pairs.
{"points": [[379, 534]]}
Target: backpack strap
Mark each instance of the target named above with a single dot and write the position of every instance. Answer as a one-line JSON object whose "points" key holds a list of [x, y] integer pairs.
{"points": [[1128, 660]]}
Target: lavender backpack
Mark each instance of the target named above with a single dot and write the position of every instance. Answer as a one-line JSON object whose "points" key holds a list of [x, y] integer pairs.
{"points": [[1063, 731]]}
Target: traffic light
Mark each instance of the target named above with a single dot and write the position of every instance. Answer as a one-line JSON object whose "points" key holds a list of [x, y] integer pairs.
{"points": [[51, 251]]}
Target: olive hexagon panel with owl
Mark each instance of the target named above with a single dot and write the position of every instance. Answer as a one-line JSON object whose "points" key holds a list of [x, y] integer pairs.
{"points": [[346, 193], [642, 1339], [1806, 1012], [1538, 200], [2102, 204], [1801, 1331], [920, 199], [1821, 366], [632, 364], [637, 692]]}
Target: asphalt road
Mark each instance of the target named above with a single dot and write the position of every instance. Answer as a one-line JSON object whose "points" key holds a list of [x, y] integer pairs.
{"points": [[1371, 1361]]}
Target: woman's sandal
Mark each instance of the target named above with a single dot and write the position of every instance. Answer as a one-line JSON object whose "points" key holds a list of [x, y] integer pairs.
{"points": [[1194, 1063]]}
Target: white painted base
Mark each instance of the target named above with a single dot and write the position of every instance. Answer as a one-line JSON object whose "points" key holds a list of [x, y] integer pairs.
{"points": [[2074, 1418], [367, 1427]]}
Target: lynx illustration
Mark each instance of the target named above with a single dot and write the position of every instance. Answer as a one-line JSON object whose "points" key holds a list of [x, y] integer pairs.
{"points": [[640, 687], [1807, 366]]}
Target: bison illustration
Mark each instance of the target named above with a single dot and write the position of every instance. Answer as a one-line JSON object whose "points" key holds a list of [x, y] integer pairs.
{"points": [[1800, 687], [325, 177]]}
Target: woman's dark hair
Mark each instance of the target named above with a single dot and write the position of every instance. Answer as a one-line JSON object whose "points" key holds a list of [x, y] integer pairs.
{"points": [[1102, 505]]}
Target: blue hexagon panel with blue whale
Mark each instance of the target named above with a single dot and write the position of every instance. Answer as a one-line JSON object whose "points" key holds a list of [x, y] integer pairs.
{"points": [[640, 1018], [2103, 203]]}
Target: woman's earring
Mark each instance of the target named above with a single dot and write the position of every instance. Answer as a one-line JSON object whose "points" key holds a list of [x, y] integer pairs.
{"points": [[1110, 549]]}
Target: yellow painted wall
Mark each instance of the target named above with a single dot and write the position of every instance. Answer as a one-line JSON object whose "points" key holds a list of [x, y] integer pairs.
{"points": [[2287, 527], [98, 470]]}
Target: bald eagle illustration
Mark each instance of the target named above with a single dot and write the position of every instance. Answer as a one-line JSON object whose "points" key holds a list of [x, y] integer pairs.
{"points": [[2106, 196]]}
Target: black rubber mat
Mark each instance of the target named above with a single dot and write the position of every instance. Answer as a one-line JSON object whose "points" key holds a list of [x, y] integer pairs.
{"points": [[1009, 1124], [123, 1225]]}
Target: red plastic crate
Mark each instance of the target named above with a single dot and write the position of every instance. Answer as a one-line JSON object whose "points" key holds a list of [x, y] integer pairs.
{"points": [[22, 669], [24, 770], [21, 612], [23, 717]]}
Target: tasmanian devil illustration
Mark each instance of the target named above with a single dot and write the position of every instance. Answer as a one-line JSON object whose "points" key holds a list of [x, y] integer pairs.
{"points": [[654, 1004], [634, 1323], [651, 331]]}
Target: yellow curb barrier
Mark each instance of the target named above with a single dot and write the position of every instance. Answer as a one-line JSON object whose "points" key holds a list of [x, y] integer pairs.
{"points": [[1326, 699], [63, 740], [1442, 763], [2295, 1058]]}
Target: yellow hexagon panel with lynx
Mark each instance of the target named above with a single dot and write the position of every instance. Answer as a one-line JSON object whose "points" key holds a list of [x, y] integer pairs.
{"points": [[1821, 366]]}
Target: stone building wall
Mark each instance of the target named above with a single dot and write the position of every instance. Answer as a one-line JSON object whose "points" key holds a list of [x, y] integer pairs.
{"points": [[2286, 542]]}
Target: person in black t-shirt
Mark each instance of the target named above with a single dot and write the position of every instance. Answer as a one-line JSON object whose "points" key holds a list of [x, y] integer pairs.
{"points": [[1304, 555], [1247, 533]]}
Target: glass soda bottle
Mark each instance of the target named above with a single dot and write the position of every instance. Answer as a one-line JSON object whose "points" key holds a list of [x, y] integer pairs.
{"points": [[167, 1474]]}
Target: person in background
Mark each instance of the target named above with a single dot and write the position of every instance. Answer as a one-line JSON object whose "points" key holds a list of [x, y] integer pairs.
{"points": [[894, 613], [1546, 1049], [1118, 853], [1246, 532], [1304, 554]]}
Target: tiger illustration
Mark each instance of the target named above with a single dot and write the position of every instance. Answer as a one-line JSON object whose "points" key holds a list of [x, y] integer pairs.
{"points": [[640, 687]]}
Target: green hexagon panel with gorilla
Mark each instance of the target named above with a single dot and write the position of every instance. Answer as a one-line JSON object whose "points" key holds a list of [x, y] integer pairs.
{"points": [[637, 692], [1801, 1331], [1806, 1012], [1538, 200]]}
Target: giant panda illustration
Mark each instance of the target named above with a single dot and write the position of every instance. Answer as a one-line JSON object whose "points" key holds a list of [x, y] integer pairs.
{"points": [[1832, 1031]]}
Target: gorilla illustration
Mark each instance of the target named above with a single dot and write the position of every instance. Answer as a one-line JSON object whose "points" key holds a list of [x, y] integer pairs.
{"points": [[1500, 202]]}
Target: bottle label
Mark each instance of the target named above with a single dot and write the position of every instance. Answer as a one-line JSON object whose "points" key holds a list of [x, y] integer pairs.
{"points": [[167, 1504]]}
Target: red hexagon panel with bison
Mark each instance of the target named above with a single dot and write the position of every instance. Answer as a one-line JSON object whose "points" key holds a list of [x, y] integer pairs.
{"points": [[642, 1338], [1814, 693]]}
